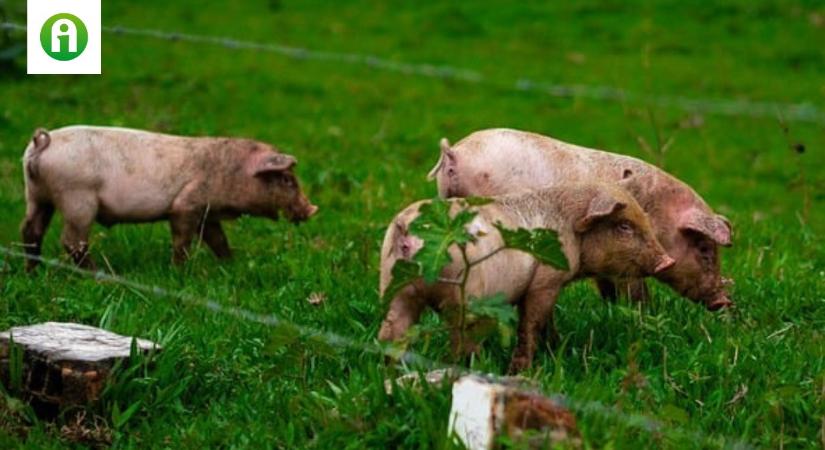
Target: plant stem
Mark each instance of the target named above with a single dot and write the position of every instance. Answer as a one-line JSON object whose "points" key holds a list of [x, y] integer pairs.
{"points": [[465, 275], [485, 257], [469, 265]]}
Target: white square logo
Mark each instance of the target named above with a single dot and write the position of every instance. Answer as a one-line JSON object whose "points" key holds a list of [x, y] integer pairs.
{"points": [[63, 37]]}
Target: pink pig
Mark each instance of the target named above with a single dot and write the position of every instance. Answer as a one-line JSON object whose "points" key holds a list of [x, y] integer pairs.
{"points": [[117, 175], [499, 161]]}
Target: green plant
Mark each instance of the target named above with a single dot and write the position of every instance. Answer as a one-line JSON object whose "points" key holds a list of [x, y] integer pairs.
{"points": [[441, 227]]}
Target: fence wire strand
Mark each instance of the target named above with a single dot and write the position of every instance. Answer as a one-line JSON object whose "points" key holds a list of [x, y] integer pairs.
{"points": [[795, 112], [407, 359]]}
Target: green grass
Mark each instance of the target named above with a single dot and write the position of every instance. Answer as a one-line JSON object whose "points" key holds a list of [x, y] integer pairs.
{"points": [[365, 140]]}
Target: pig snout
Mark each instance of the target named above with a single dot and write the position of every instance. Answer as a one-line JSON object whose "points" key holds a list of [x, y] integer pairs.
{"points": [[720, 302], [665, 262], [654, 258], [311, 210], [302, 212]]}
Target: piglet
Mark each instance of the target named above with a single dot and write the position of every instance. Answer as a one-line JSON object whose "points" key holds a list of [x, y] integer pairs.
{"points": [[602, 229], [118, 175]]}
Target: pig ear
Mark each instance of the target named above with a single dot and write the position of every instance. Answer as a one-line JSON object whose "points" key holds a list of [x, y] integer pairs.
{"points": [[272, 164], [714, 226], [447, 157], [601, 206]]}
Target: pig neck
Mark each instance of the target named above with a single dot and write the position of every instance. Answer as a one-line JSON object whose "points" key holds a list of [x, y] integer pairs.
{"points": [[664, 198], [222, 168], [550, 208]]}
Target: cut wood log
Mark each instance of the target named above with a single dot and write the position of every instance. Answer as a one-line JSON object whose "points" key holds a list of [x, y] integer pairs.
{"points": [[62, 364], [485, 412]]}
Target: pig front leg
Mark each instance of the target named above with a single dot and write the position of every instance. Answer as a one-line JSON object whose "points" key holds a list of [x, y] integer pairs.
{"points": [[215, 238], [184, 228], [535, 310], [33, 228], [405, 310], [634, 289]]}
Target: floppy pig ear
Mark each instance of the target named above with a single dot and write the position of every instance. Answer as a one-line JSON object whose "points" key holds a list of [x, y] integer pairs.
{"points": [[277, 163], [714, 226], [601, 206]]}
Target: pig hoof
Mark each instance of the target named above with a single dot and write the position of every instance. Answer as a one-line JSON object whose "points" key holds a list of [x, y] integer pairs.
{"points": [[518, 364]]}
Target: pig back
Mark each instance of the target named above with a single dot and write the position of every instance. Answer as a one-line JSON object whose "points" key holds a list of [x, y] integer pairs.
{"points": [[133, 173], [502, 161]]}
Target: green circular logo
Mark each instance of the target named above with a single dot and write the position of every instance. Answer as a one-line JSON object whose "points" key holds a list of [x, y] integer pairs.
{"points": [[64, 37]]}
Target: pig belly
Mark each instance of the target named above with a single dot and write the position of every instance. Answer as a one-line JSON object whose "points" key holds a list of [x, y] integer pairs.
{"points": [[509, 272], [136, 199]]}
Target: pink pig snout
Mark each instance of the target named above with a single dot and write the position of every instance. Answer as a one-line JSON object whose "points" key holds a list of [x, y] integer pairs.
{"points": [[665, 263], [718, 303], [302, 213]]}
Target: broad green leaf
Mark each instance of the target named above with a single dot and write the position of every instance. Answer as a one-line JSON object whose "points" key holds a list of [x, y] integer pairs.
{"points": [[543, 244], [439, 231], [496, 307], [403, 273], [491, 315], [478, 201]]}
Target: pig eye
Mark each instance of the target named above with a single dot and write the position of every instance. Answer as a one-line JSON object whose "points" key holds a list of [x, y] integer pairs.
{"points": [[706, 251], [287, 181], [624, 227]]}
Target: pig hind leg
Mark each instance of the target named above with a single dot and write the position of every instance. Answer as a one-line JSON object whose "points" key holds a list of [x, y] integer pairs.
{"points": [[454, 315], [33, 228], [535, 312], [215, 238], [405, 310], [79, 212]]}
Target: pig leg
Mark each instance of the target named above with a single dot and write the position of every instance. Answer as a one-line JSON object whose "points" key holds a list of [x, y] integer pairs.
{"points": [[534, 312], [186, 217], [634, 289], [184, 228], [79, 211], [462, 343], [215, 238], [405, 310], [38, 216]]}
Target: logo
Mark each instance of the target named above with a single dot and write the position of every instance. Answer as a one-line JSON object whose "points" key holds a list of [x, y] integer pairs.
{"points": [[64, 37]]}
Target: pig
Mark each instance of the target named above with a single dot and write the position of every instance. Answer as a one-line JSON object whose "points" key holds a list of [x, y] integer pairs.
{"points": [[500, 161], [118, 175], [603, 232]]}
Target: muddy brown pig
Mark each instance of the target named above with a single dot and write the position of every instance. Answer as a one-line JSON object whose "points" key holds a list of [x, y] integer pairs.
{"points": [[603, 232], [116, 175], [500, 161]]}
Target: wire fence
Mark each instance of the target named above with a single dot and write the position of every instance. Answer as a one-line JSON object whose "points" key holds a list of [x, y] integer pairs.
{"points": [[407, 358], [793, 112]]}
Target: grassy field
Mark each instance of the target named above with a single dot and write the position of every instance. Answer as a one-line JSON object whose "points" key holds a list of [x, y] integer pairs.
{"points": [[365, 139]]}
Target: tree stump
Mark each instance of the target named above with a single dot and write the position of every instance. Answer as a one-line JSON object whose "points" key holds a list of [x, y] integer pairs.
{"points": [[61, 364], [484, 410]]}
